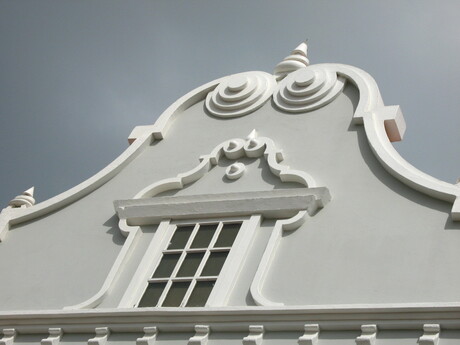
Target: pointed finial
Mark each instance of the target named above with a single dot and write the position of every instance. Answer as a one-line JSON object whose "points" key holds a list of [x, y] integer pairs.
{"points": [[26, 199], [296, 60]]}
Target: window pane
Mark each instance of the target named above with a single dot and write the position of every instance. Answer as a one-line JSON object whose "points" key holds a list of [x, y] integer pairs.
{"points": [[190, 265], [214, 264], [166, 266], [180, 237], [200, 294], [176, 294], [227, 235], [204, 236], [152, 295]]}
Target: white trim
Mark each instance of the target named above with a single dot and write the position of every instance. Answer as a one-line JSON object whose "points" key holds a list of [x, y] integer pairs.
{"points": [[232, 149], [310, 336], [54, 337], [150, 336], [269, 253], [9, 336], [157, 131], [158, 245], [256, 335], [138, 282], [276, 203], [237, 319], [235, 260], [430, 335], [201, 335], [383, 124]]}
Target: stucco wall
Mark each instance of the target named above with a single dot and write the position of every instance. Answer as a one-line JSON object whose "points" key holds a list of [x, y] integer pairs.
{"points": [[377, 241]]}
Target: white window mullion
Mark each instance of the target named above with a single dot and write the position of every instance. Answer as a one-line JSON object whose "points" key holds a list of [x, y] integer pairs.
{"points": [[164, 293], [188, 293]]}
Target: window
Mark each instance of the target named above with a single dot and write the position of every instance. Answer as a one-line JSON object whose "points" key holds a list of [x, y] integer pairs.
{"points": [[190, 265]]}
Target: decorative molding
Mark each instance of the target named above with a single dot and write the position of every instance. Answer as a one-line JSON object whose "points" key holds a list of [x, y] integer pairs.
{"points": [[296, 60], [201, 335], [430, 335], [368, 335], [54, 338], [253, 146], [276, 203], [308, 89], [232, 149], [149, 338], [256, 335], [102, 334], [240, 94], [26, 199], [310, 337], [408, 316], [235, 171], [141, 139], [382, 126], [9, 335], [264, 265]]}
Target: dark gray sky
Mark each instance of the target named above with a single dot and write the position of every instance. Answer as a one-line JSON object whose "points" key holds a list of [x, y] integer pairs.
{"points": [[76, 76]]}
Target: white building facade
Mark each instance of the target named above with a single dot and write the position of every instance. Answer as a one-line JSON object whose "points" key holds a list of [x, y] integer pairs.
{"points": [[258, 209]]}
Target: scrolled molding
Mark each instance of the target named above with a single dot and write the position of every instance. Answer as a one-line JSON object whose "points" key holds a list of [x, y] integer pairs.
{"points": [[308, 89], [267, 257], [232, 149], [149, 338], [9, 336], [368, 335], [385, 124], [240, 94], [102, 335], [430, 334], [201, 335], [235, 171], [310, 336], [54, 337], [256, 335]]}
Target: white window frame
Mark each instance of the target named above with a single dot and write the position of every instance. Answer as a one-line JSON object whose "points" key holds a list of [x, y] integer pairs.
{"points": [[224, 281], [248, 207]]}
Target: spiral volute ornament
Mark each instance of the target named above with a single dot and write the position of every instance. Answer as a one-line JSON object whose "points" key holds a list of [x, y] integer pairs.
{"points": [[240, 94], [308, 89], [296, 60], [26, 199]]}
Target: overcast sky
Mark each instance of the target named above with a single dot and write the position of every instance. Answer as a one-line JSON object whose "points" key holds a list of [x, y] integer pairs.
{"points": [[76, 76]]}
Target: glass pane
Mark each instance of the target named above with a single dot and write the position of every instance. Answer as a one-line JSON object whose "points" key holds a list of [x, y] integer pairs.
{"points": [[227, 235], [166, 266], [180, 237], [176, 294], [214, 264], [204, 236], [200, 294], [152, 295], [190, 265]]}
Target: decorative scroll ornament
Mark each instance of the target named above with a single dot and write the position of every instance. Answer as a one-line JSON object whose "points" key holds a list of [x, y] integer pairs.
{"points": [[235, 171], [308, 89], [297, 59], [240, 94]]}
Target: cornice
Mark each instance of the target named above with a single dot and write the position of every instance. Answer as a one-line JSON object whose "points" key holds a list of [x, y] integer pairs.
{"points": [[286, 318]]}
